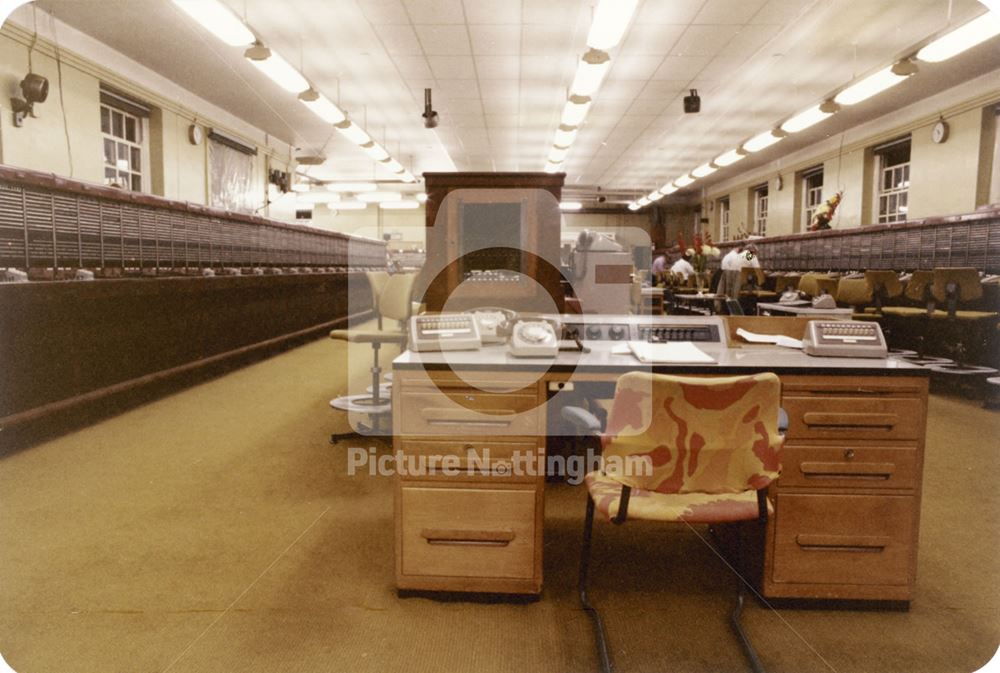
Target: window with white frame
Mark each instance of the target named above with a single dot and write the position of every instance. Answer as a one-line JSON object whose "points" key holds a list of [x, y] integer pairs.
{"points": [[760, 209], [724, 219], [125, 136], [812, 194], [892, 165]]}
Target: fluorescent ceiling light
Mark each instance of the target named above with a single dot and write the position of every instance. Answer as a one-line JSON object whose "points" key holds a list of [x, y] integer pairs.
{"points": [[728, 158], [375, 151], [300, 187], [804, 120], [611, 19], [322, 106], [558, 154], [655, 195], [962, 38], [352, 187], [570, 205], [393, 166], [422, 197], [643, 202], [683, 181], [402, 204], [868, 87], [353, 132], [408, 177], [318, 197], [590, 72], [634, 206], [759, 142], [565, 135], [219, 20], [379, 197], [351, 205], [575, 111], [703, 170], [667, 189], [277, 69], [552, 168]]}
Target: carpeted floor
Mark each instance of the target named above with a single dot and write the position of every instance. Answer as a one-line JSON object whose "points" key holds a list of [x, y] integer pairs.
{"points": [[217, 530]]}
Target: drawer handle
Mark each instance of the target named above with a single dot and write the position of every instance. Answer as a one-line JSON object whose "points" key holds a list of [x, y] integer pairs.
{"points": [[878, 471], [850, 543], [852, 420], [435, 416], [481, 538]]}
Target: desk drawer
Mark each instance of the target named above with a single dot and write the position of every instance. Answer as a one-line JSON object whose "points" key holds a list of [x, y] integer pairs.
{"points": [[476, 458], [834, 417], [846, 467], [467, 532], [843, 539], [468, 412]]}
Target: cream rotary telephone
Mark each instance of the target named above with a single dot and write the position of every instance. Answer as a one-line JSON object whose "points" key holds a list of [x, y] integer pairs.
{"points": [[534, 338]]}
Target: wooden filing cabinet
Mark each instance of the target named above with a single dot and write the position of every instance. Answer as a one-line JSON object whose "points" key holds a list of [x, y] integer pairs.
{"points": [[467, 521], [847, 504]]}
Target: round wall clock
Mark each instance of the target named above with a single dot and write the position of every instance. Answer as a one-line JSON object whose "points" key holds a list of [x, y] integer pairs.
{"points": [[195, 134], [939, 133]]}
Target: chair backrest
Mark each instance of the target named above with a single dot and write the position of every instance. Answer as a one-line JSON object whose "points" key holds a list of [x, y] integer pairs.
{"points": [[918, 284], [376, 281], [746, 273], [888, 281], [814, 284], [789, 281], [394, 302], [966, 280], [854, 291], [695, 435]]}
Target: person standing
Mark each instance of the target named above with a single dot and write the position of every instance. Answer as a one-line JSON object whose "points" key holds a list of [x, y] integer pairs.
{"points": [[683, 267]]}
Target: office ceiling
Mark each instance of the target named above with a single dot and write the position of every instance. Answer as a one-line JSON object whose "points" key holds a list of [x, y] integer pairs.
{"points": [[499, 70]]}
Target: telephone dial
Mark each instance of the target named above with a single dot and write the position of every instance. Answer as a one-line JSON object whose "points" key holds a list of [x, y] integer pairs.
{"points": [[534, 339]]}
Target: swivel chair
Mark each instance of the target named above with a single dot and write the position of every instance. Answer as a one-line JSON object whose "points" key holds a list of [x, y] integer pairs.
{"points": [[393, 303], [720, 477]]}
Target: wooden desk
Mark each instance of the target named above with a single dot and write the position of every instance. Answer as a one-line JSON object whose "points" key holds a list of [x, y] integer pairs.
{"points": [[847, 505]]}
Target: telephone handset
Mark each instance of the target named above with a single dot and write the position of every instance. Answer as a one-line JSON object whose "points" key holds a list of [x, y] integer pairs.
{"points": [[534, 338], [494, 323]]}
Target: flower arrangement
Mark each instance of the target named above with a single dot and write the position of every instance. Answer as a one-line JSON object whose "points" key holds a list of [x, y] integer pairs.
{"points": [[824, 214], [700, 251]]}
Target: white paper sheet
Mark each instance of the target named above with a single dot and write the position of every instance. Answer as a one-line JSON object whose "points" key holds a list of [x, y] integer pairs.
{"points": [[779, 339], [675, 352]]}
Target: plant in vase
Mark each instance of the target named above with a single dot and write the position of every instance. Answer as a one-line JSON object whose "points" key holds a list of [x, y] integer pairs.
{"points": [[699, 253], [824, 214]]}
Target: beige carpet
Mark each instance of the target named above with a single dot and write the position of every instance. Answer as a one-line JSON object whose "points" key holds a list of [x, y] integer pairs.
{"points": [[217, 530]]}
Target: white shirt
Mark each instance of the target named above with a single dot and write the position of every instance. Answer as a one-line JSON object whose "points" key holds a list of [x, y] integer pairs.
{"points": [[731, 262], [682, 266]]}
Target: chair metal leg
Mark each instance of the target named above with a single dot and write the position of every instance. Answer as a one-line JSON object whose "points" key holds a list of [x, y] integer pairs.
{"points": [[602, 645], [738, 610]]}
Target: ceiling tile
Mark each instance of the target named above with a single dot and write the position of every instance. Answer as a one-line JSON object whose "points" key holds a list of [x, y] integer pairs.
{"points": [[501, 121], [704, 40], [620, 89], [651, 39], [548, 68], [436, 11], [496, 40], [634, 67], [681, 67], [452, 67], [399, 40], [467, 121], [548, 40], [458, 88], [450, 106], [493, 11], [553, 12], [444, 40], [728, 11], [385, 11], [668, 11], [500, 88], [750, 39], [413, 67], [780, 11], [498, 67]]}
